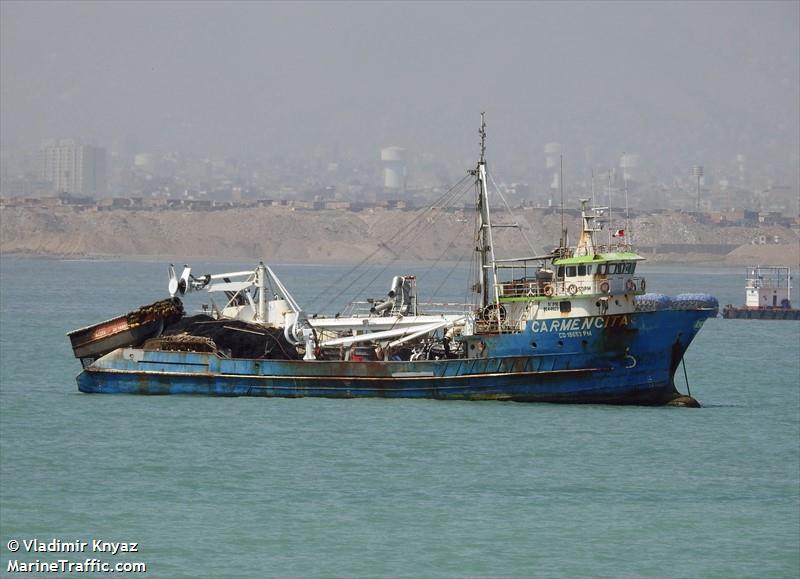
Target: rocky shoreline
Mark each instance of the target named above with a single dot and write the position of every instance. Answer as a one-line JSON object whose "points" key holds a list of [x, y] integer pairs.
{"points": [[328, 236]]}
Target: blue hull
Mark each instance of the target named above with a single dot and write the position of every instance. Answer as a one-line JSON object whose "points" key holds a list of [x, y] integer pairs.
{"points": [[621, 359]]}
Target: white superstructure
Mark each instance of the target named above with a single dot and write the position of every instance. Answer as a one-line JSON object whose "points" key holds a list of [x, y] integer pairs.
{"points": [[768, 287]]}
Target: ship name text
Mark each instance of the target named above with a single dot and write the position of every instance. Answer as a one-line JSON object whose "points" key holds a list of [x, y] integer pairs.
{"points": [[580, 324]]}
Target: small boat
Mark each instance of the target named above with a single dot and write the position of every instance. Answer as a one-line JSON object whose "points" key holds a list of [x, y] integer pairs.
{"points": [[573, 325], [768, 295]]}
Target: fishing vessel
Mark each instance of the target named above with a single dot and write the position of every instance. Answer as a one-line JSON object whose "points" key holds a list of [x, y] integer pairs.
{"points": [[572, 325], [768, 295]]}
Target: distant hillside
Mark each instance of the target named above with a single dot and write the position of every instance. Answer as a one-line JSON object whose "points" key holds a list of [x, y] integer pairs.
{"points": [[281, 234]]}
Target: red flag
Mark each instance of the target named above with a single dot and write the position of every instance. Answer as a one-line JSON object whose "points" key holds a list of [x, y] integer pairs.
{"points": [[619, 233]]}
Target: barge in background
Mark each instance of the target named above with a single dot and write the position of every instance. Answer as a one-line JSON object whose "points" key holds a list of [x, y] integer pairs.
{"points": [[575, 325], [768, 295]]}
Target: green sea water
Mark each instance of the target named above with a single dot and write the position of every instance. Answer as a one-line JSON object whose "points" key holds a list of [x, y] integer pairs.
{"points": [[250, 487]]}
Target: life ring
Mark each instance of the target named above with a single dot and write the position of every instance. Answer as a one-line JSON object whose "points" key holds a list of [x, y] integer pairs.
{"points": [[572, 289], [548, 290], [642, 285], [604, 287], [630, 286]]}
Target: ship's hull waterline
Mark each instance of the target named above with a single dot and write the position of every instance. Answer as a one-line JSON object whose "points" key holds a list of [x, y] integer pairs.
{"points": [[632, 361]]}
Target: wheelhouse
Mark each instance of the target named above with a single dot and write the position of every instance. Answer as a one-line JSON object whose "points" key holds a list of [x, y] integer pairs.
{"points": [[601, 273]]}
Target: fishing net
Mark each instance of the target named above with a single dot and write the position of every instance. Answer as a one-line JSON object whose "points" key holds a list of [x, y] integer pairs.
{"points": [[235, 338]]}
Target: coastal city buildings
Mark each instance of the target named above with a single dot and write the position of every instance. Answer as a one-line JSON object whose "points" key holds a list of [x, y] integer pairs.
{"points": [[72, 167], [394, 174]]}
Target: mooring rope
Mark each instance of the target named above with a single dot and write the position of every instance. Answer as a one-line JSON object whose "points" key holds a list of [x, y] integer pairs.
{"points": [[686, 377]]}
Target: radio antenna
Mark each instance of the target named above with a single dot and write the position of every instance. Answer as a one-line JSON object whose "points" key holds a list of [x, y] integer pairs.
{"points": [[608, 192], [625, 185], [561, 183]]}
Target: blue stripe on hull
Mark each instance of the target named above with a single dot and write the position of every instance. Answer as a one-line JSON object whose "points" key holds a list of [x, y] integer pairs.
{"points": [[578, 386], [630, 361]]}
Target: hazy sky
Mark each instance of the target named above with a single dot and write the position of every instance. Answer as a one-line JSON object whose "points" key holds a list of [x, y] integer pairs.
{"points": [[672, 81]]}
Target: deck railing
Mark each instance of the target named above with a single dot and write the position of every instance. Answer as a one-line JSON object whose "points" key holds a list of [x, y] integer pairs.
{"points": [[568, 287], [613, 247]]}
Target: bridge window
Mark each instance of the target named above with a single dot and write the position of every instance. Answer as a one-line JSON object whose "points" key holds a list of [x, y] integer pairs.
{"points": [[560, 272], [581, 270], [601, 269], [570, 271]]}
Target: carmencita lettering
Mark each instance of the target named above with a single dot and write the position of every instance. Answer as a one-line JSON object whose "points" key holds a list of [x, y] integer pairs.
{"points": [[575, 324]]}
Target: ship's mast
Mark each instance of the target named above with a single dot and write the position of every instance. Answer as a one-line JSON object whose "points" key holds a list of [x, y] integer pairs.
{"points": [[586, 243], [485, 242]]}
